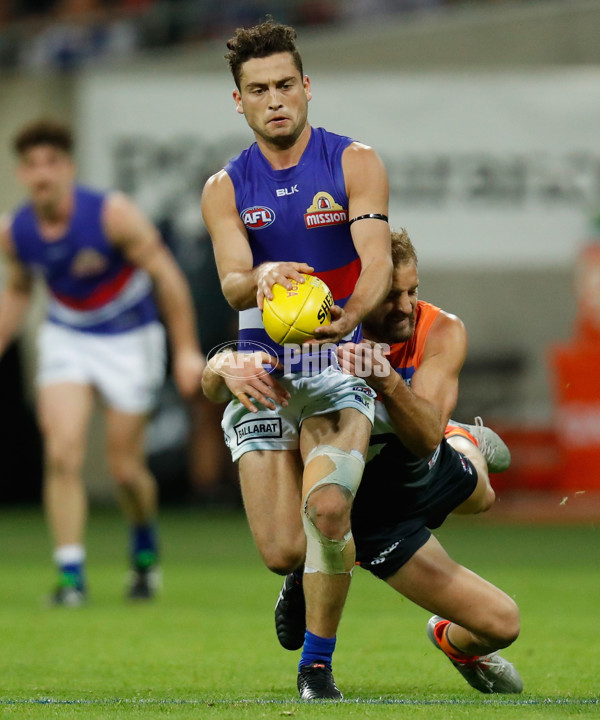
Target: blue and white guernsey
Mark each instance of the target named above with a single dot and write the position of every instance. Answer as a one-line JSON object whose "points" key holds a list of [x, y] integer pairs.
{"points": [[93, 288], [299, 214]]}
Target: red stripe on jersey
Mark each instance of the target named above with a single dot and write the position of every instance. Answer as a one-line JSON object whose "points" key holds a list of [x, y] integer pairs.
{"points": [[341, 281], [101, 295]]}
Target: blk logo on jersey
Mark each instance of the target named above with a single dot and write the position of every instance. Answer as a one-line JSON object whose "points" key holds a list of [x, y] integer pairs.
{"points": [[324, 211], [257, 217], [282, 192]]}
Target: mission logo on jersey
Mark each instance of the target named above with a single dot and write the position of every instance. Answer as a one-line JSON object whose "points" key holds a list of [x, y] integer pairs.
{"points": [[324, 211], [258, 217], [89, 262]]}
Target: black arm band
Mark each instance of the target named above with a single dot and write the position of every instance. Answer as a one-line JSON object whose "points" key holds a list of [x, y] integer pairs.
{"points": [[374, 216]]}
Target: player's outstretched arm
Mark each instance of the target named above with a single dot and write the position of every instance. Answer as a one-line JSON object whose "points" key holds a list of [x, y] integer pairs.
{"points": [[368, 192], [130, 231], [16, 289], [243, 285]]}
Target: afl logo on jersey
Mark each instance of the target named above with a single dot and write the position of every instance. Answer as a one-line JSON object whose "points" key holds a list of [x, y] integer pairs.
{"points": [[258, 217], [324, 211]]}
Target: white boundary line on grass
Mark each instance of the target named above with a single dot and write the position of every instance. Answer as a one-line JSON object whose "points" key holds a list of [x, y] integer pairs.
{"points": [[357, 701]]}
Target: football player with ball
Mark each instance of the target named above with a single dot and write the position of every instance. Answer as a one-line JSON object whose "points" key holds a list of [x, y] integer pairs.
{"points": [[294, 313], [300, 200], [421, 467]]}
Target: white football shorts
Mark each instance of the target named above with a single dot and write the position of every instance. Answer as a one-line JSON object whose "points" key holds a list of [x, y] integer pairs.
{"points": [[312, 395], [127, 369]]}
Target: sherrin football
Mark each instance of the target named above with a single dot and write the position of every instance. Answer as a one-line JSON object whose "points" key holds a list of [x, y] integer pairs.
{"points": [[293, 315]]}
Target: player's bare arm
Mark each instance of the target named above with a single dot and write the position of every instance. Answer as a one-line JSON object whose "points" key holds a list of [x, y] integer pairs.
{"points": [[242, 375], [243, 285], [16, 291], [419, 414], [140, 242], [368, 192]]}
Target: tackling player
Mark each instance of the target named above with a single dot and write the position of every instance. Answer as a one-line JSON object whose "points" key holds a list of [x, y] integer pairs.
{"points": [[419, 470]]}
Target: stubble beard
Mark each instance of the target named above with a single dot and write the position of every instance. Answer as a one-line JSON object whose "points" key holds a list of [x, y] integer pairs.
{"points": [[399, 334], [282, 142]]}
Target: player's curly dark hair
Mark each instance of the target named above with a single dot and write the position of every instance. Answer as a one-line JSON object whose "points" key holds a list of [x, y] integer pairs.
{"points": [[261, 41], [44, 131], [403, 250]]}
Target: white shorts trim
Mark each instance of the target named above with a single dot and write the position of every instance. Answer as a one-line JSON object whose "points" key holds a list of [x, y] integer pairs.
{"points": [[126, 369]]}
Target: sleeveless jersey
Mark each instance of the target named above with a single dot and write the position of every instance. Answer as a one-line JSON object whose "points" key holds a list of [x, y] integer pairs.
{"points": [[298, 214], [405, 358], [92, 287]]}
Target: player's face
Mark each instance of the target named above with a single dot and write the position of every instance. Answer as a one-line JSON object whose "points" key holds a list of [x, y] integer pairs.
{"points": [[274, 99], [394, 320], [47, 173]]}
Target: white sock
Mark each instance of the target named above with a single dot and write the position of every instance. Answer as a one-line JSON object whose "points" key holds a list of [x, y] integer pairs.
{"points": [[69, 555]]}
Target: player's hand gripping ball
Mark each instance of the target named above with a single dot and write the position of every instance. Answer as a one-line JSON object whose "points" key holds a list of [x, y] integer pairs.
{"points": [[293, 315]]}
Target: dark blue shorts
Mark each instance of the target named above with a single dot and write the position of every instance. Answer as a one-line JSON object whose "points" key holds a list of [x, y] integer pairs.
{"points": [[394, 510]]}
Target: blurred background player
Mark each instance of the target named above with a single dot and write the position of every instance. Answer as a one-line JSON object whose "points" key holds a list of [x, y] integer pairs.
{"points": [[103, 263], [414, 478], [263, 212]]}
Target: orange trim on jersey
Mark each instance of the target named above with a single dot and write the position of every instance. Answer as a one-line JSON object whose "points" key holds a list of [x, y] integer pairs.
{"points": [[410, 353]]}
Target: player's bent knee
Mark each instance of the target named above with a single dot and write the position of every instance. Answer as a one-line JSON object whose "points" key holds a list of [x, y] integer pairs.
{"points": [[326, 555], [329, 508], [333, 476], [481, 500], [125, 473], [336, 467], [487, 500], [511, 622], [503, 623], [281, 562]]}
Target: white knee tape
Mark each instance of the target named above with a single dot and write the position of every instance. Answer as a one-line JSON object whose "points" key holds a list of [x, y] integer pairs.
{"points": [[348, 469], [322, 553]]}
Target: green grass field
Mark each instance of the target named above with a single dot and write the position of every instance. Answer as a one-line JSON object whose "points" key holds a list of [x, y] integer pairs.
{"points": [[207, 647]]}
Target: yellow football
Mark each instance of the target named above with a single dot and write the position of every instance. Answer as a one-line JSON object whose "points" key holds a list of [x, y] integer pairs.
{"points": [[293, 315]]}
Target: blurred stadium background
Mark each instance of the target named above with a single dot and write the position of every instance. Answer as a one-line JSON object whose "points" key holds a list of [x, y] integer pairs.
{"points": [[487, 116]]}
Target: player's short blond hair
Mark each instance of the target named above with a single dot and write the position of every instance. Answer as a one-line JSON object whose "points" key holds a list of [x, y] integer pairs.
{"points": [[403, 250]]}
